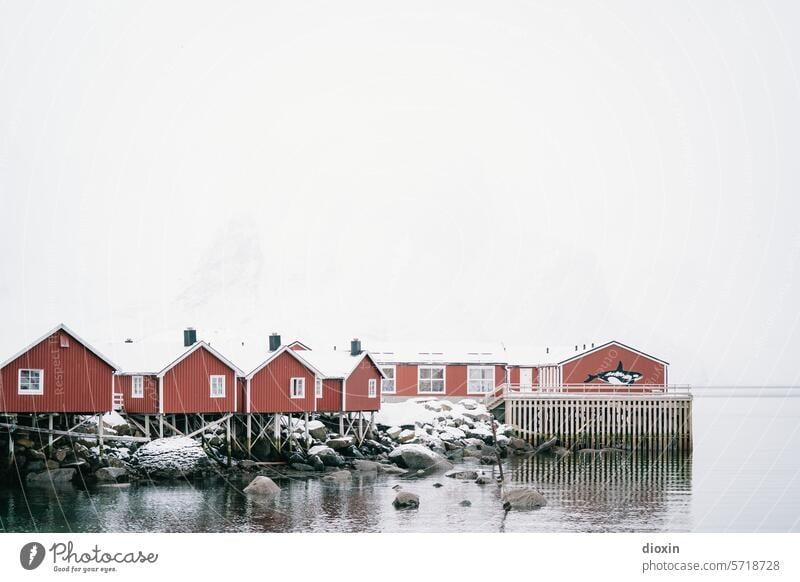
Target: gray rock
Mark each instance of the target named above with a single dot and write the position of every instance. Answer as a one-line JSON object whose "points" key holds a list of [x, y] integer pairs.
{"points": [[35, 455], [394, 432], [406, 436], [35, 465], [468, 475], [301, 467], [111, 474], [317, 430], [483, 480], [343, 476], [172, 457], [522, 499], [406, 500], [418, 457], [56, 477], [366, 466], [339, 443], [320, 450], [391, 469], [262, 486], [466, 503]]}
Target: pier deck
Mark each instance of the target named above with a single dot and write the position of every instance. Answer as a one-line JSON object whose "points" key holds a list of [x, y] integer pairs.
{"points": [[653, 418]]}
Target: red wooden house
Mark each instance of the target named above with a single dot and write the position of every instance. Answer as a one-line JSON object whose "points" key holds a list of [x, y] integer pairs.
{"points": [[199, 381], [57, 373], [349, 382], [284, 382]]}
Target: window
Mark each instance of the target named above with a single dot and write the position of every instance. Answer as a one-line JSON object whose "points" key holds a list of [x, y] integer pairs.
{"points": [[297, 387], [217, 386], [431, 379], [318, 387], [373, 388], [388, 385], [480, 379], [31, 382], [137, 387]]}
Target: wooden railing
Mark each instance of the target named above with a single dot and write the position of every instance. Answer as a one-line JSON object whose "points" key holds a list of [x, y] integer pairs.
{"points": [[508, 389]]}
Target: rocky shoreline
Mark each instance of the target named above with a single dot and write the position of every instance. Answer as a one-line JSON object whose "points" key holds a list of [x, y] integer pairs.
{"points": [[414, 438]]}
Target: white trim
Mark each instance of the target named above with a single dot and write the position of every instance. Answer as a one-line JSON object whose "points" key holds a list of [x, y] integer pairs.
{"points": [[372, 388], [161, 394], [60, 327], [394, 378], [38, 392], [302, 383], [191, 350], [249, 404], [211, 379], [318, 387], [444, 379], [275, 354], [607, 344], [133, 383], [344, 395], [483, 368]]}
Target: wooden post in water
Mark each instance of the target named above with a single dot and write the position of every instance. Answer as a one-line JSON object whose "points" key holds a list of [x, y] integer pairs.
{"points": [[99, 434]]}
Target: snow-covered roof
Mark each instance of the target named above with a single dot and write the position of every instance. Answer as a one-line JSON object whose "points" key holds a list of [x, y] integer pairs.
{"points": [[60, 327], [451, 353], [154, 357], [335, 363]]}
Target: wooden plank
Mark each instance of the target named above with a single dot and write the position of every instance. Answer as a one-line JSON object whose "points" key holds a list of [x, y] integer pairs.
{"points": [[66, 433]]}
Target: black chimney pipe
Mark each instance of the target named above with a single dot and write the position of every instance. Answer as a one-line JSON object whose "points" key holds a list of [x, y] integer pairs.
{"points": [[274, 341], [355, 347], [189, 337]]}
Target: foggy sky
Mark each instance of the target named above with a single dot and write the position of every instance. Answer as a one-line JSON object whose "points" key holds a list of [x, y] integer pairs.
{"points": [[532, 173]]}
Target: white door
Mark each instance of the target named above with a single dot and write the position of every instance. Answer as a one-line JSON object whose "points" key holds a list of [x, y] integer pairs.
{"points": [[526, 379]]}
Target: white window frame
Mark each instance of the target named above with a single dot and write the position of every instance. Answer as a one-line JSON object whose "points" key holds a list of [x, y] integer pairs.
{"points": [[318, 387], [38, 392], [372, 388], [470, 389], [393, 368], [431, 380], [137, 382], [211, 385], [301, 382]]}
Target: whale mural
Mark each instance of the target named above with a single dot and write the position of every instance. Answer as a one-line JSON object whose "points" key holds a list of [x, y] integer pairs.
{"points": [[618, 376]]}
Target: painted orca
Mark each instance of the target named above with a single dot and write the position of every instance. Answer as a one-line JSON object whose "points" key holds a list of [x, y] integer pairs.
{"points": [[618, 376]]}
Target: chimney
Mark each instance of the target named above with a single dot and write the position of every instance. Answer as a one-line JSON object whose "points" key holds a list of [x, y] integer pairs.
{"points": [[355, 347], [547, 351], [584, 346], [189, 337], [576, 348], [274, 341]]}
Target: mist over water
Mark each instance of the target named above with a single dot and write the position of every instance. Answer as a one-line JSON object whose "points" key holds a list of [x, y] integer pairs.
{"points": [[741, 477]]}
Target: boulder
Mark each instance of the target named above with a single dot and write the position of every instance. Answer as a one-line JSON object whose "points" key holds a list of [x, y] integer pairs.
{"points": [[24, 443], [35, 465], [262, 486], [111, 474], [316, 462], [483, 480], [302, 467], [391, 469], [406, 500], [366, 466], [339, 443], [56, 477], [50, 464], [468, 404], [466, 503], [518, 444], [343, 476], [394, 432], [61, 453], [418, 457], [317, 430], [34, 454], [522, 499], [320, 450], [406, 436], [171, 457]]}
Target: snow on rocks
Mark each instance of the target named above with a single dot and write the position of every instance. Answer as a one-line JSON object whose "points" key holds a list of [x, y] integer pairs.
{"points": [[171, 457]]}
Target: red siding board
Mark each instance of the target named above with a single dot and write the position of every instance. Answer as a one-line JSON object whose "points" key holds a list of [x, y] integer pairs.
{"points": [[75, 379], [187, 385], [577, 371], [148, 404], [331, 400], [357, 387], [269, 387]]}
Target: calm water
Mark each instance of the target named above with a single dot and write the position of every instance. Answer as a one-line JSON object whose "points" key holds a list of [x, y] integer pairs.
{"points": [[742, 476]]}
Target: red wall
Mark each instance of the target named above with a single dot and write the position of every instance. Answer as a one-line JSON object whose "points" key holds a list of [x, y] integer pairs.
{"points": [[357, 387], [331, 400], [576, 371], [269, 387], [146, 405], [455, 380], [75, 380], [187, 386], [514, 374]]}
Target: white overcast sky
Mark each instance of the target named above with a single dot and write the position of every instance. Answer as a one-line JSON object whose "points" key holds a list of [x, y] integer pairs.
{"points": [[536, 173]]}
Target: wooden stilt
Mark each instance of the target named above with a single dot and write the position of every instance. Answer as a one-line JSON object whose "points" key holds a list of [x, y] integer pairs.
{"points": [[249, 433], [307, 433], [147, 425], [228, 438], [100, 434], [50, 428], [341, 423], [161, 426]]}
